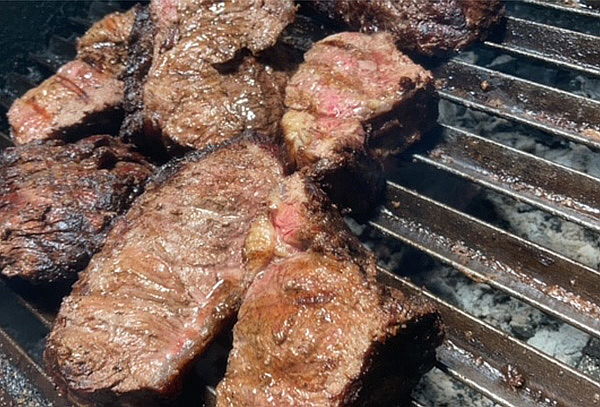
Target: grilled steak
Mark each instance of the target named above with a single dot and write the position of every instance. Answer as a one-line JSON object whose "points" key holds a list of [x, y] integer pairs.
{"points": [[428, 27], [58, 201], [201, 89], [216, 104], [85, 95], [168, 280], [139, 60], [315, 327], [355, 96]]}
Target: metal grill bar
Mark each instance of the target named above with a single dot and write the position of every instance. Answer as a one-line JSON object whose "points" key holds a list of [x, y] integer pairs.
{"points": [[42, 317], [545, 279], [501, 367], [557, 112], [5, 141], [551, 187], [33, 370], [15, 316], [564, 48], [587, 12]]}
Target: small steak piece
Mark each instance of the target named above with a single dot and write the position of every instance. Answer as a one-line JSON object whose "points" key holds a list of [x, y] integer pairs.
{"points": [[168, 281], [428, 27], [355, 96], [85, 95], [316, 328], [214, 105], [58, 202], [200, 89]]}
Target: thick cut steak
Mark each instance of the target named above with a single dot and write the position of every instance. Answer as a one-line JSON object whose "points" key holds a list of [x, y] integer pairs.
{"points": [[214, 104], [425, 26], [58, 201], [315, 327], [168, 280], [202, 87], [354, 97], [85, 95]]}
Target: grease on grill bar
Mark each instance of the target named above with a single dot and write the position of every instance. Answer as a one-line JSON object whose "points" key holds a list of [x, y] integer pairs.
{"points": [[565, 48], [574, 7], [573, 117], [38, 389], [554, 188]]}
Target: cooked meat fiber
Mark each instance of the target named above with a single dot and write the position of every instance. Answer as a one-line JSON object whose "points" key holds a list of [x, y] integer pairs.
{"points": [[316, 328], [169, 279], [215, 105], [85, 95], [201, 89], [428, 27], [355, 96], [139, 60], [58, 202], [313, 332]]}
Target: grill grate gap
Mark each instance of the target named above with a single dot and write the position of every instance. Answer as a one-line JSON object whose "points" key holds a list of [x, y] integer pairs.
{"points": [[584, 20], [541, 72]]}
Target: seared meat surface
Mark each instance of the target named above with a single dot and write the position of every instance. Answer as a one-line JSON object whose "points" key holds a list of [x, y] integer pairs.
{"points": [[58, 202], [355, 96], [139, 61], [85, 95], [428, 27], [315, 327], [168, 280], [201, 89], [217, 104]]}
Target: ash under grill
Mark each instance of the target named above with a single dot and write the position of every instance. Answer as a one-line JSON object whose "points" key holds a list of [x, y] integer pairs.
{"points": [[538, 79]]}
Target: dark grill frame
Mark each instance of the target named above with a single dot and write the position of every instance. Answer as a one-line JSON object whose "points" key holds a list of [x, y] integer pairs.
{"points": [[503, 368]]}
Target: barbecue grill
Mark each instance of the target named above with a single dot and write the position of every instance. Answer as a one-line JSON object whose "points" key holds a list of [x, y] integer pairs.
{"points": [[546, 36]]}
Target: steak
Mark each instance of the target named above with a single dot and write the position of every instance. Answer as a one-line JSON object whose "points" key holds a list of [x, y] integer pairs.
{"points": [[203, 87], [167, 282], [85, 95], [428, 27], [58, 202], [354, 97], [315, 327], [139, 61], [215, 104]]}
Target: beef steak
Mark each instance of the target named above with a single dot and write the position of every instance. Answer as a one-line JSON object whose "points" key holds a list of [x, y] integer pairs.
{"points": [[315, 327], [200, 88], [85, 95], [355, 96], [139, 61], [168, 280], [213, 105], [428, 27], [58, 201]]}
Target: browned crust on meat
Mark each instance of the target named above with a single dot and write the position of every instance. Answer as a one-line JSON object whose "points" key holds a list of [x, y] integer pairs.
{"points": [[168, 280], [85, 95], [58, 202], [428, 27]]}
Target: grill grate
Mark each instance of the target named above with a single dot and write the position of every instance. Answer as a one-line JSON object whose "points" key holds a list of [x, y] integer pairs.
{"points": [[501, 367], [507, 370]]}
